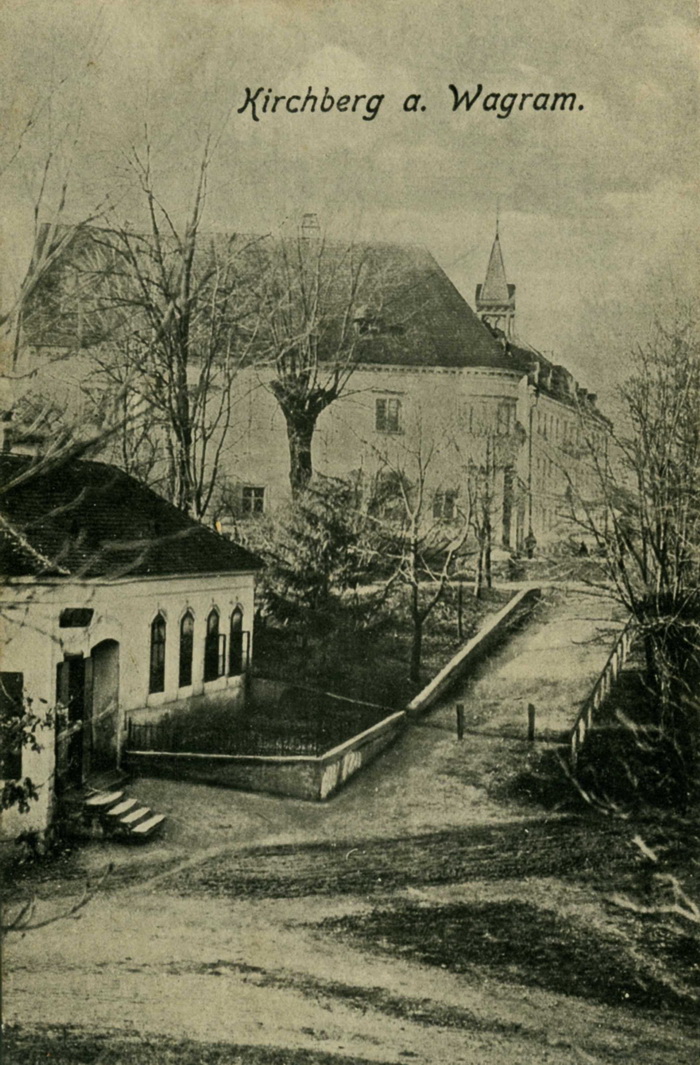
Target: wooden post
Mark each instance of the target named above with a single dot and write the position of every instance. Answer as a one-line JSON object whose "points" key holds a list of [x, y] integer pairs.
{"points": [[460, 721], [531, 722]]}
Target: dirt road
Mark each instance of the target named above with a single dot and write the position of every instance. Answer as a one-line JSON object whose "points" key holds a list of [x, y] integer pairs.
{"points": [[421, 915]]}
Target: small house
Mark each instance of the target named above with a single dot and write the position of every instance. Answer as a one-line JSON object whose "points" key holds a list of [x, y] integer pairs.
{"points": [[112, 602]]}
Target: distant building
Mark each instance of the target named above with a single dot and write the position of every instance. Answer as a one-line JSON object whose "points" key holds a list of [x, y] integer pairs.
{"points": [[113, 602], [431, 376]]}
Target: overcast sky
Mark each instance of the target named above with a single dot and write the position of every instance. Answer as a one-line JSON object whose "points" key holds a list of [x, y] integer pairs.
{"points": [[598, 207]]}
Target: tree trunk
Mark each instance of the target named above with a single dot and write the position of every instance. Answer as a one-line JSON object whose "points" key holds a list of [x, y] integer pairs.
{"points": [[479, 579], [416, 649], [487, 559], [300, 433]]}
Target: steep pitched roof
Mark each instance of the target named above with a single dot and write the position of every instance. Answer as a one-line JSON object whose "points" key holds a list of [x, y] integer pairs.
{"points": [[436, 325], [430, 322], [495, 288], [73, 518]]}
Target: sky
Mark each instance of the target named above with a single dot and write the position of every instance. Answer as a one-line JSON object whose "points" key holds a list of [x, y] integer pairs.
{"points": [[597, 207]]}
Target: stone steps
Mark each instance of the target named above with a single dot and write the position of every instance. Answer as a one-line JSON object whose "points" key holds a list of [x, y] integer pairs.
{"points": [[121, 816]]}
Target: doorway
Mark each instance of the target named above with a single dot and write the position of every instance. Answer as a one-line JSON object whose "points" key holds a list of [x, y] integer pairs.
{"points": [[103, 709], [72, 676]]}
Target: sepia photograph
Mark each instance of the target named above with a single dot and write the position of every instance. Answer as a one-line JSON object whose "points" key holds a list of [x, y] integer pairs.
{"points": [[350, 532]]}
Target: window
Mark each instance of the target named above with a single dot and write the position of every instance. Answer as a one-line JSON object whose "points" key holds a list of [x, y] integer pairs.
{"points": [[157, 672], [445, 505], [214, 648], [253, 499], [186, 649], [387, 415], [238, 645], [505, 418], [11, 707]]}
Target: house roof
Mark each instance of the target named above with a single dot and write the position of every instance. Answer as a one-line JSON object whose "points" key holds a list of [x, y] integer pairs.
{"points": [[428, 322], [73, 518]]}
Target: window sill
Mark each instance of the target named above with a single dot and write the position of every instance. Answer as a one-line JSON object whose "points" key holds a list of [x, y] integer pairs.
{"points": [[215, 684]]}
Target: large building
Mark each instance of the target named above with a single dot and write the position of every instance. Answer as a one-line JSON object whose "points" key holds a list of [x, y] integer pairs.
{"points": [[454, 392], [434, 386]]}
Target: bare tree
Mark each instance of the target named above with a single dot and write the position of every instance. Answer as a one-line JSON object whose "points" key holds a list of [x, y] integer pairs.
{"points": [[644, 514], [169, 322], [426, 532]]}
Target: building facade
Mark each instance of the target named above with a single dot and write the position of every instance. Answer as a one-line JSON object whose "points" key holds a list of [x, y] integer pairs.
{"points": [[440, 386], [113, 604]]}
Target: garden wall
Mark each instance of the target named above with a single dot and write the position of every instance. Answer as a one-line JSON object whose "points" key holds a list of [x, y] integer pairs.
{"points": [[300, 776], [319, 777]]}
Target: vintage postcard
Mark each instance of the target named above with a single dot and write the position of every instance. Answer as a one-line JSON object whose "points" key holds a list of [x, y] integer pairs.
{"points": [[349, 532]]}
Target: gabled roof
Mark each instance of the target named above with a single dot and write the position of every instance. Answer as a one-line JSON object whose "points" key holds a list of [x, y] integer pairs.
{"points": [[72, 518]]}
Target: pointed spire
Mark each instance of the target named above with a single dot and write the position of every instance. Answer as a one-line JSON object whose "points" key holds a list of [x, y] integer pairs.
{"points": [[495, 299], [495, 288]]}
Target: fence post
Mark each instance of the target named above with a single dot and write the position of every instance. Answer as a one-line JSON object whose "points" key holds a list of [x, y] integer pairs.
{"points": [[531, 722], [460, 721]]}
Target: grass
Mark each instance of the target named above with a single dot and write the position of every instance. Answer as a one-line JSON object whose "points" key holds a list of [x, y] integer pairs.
{"points": [[565, 848], [70, 1046], [521, 943]]}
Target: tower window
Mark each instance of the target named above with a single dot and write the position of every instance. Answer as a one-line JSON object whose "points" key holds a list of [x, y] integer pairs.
{"points": [[387, 415]]}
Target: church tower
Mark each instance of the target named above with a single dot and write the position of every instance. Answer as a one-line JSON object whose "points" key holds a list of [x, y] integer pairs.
{"points": [[495, 299]]}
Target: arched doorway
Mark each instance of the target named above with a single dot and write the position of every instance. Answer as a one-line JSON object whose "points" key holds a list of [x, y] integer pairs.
{"points": [[104, 707]]}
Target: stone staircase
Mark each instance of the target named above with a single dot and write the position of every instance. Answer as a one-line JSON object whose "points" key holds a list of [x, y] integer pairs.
{"points": [[119, 816]]}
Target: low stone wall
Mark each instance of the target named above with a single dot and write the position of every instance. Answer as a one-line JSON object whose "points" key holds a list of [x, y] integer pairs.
{"points": [[485, 641], [299, 776]]}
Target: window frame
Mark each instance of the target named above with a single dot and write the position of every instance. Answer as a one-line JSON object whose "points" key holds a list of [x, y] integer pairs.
{"points": [[186, 651], [239, 644], [445, 504], [252, 499], [387, 414], [13, 707], [213, 647], [156, 670]]}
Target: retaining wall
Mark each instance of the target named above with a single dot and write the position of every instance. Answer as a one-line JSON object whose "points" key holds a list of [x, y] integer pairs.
{"points": [[300, 776], [485, 641]]}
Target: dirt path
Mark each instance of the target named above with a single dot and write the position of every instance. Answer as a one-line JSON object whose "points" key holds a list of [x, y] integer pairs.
{"points": [[247, 923]]}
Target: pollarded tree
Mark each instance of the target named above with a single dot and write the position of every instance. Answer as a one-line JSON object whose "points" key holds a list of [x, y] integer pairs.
{"points": [[322, 305]]}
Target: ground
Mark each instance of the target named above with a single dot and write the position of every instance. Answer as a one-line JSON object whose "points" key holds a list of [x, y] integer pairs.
{"points": [[435, 910]]}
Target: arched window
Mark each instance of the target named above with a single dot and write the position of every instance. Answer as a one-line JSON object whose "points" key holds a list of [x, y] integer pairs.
{"points": [[237, 645], [186, 649], [213, 663], [156, 681]]}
